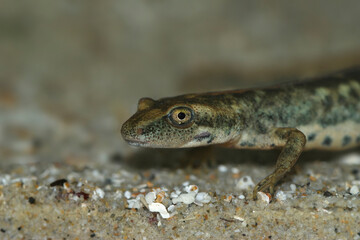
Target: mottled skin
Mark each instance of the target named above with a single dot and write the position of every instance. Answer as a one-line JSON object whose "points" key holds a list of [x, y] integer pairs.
{"points": [[323, 113]]}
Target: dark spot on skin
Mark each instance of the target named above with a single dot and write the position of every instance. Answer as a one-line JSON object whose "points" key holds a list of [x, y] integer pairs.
{"points": [[327, 141], [260, 127], [210, 140], [202, 136], [327, 102], [312, 137], [247, 144], [346, 140], [354, 94], [272, 145], [341, 99], [228, 132]]}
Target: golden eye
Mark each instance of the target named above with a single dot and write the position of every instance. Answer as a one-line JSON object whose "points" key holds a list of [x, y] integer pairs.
{"points": [[181, 117]]}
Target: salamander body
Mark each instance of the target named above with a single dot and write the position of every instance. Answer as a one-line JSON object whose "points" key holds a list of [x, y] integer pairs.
{"points": [[323, 113]]}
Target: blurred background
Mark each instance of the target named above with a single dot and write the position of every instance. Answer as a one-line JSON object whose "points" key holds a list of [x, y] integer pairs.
{"points": [[88, 62]]}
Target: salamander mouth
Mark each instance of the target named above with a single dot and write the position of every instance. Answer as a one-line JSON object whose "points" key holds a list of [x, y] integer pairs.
{"points": [[137, 143]]}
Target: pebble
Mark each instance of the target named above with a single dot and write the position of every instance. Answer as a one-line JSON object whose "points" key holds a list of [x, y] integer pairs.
{"points": [[134, 203], [98, 193], [222, 168], [263, 197], [127, 194], [354, 190], [150, 197], [186, 198], [202, 197], [280, 195], [245, 183], [350, 159], [160, 208]]}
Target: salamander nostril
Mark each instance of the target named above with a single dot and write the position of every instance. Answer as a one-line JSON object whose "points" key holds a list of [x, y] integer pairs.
{"points": [[139, 131]]}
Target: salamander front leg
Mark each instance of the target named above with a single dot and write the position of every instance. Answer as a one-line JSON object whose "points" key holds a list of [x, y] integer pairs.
{"points": [[293, 142]]}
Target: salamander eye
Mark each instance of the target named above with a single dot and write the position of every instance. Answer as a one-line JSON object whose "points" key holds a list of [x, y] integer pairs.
{"points": [[181, 117]]}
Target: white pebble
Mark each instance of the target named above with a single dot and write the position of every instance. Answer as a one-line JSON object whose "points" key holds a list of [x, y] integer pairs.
{"points": [[134, 203], [191, 188], [245, 183], [160, 208], [98, 193], [186, 198], [241, 197], [293, 187], [235, 170], [280, 195], [150, 197], [351, 159], [263, 197], [118, 194], [202, 197], [354, 190], [174, 195], [186, 183], [239, 218], [171, 208], [222, 168], [127, 194]]}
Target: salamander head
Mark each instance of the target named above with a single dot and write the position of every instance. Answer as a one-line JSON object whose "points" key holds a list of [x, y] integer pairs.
{"points": [[176, 122]]}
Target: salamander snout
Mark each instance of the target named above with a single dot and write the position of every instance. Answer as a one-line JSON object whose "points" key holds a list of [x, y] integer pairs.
{"points": [[133, 134]]}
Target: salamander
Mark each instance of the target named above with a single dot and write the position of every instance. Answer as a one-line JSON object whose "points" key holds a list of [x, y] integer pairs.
{"points": [[321, 113]]}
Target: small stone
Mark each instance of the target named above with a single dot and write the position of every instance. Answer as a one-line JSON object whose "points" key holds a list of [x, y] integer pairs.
{"points": [[351, 159], [263, 197], [160, 208], [222, 168], [245, 183], [191, 188], [171, 208], [59, 182], [98, 193], [239, 218], [150, 197], [280, 195], [31, 200], [241, 197], [293, 187], [127, 194], [328, 194], [134, 203], [354, 190], [202, 197], [186, 198]]}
